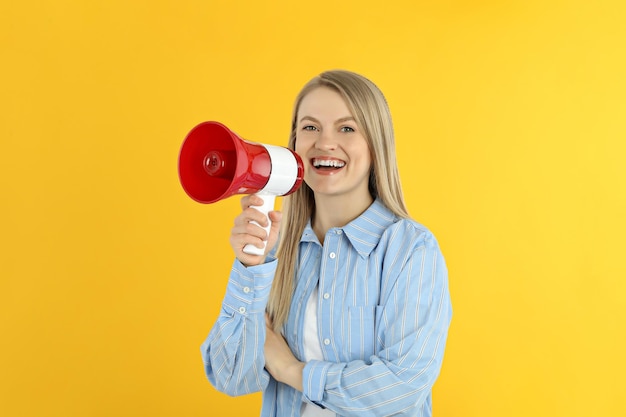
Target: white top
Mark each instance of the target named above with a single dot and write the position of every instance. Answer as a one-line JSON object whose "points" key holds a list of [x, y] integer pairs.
{"points": [[312, 350]]}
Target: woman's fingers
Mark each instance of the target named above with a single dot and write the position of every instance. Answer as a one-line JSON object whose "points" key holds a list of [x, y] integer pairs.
{"points": [[248, 229]]}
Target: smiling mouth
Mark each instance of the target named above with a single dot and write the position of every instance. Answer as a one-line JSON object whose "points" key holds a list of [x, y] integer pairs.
{"points": [[328, 163]]}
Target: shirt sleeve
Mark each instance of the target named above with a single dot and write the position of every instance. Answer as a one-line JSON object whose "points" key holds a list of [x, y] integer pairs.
{"points": [[412, 324], [233, 351]]}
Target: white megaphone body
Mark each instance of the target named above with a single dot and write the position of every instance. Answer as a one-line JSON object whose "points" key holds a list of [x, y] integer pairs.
{"points": [[214, 164]]}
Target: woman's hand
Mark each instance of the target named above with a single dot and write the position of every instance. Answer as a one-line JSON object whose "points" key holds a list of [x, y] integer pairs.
{"points": [[245, 232], [279, 360]]}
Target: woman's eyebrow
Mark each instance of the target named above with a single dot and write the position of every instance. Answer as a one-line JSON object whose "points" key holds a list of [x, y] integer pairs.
{"points": [[345, 119], [311, 118], [338, 121]]}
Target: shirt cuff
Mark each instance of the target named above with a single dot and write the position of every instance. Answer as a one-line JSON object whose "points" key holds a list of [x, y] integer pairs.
{"points": [[314, 380], [249, 287]]}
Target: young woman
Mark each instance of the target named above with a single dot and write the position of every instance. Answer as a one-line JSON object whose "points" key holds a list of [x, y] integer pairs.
{"points": [[348, 312]]}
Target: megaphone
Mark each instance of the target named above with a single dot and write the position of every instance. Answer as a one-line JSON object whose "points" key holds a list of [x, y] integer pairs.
{"points": [[214, 163]]}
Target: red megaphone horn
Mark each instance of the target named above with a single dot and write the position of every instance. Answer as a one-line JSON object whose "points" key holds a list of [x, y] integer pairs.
{"points": [[214, 164]]}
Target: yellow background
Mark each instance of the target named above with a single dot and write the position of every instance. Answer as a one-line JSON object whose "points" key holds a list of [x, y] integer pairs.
{"points": [[511, 125]]}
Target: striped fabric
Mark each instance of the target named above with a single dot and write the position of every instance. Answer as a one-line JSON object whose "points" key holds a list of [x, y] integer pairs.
{"points": [[383, 315]]}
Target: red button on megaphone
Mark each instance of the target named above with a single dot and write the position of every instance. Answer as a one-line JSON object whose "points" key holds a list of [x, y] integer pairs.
{"points": [[214, 164]]}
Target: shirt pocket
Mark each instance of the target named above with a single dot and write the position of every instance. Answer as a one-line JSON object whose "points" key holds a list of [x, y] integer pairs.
{"points": [[360, 332]]}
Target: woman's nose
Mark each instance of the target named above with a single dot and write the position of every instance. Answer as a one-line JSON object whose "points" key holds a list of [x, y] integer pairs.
{"points": [[326, 141]]}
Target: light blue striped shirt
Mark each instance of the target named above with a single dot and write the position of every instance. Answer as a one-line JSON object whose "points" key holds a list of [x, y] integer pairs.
{"points": [[383, 316]]}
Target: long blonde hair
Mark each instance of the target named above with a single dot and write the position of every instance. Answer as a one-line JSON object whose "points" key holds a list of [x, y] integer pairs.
{"points": [[371, 112]]}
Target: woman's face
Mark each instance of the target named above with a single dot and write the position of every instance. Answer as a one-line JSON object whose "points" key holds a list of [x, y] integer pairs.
{"points": [[336, 156]]}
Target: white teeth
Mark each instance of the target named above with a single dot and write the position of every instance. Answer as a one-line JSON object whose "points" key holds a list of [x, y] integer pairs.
{"points": [[328, 163]]}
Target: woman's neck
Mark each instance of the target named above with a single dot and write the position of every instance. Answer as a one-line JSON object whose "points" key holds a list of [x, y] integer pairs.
{"points": [[336, 212]]}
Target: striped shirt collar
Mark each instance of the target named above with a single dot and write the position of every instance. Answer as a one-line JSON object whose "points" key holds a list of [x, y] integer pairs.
{"points": [[364, 232]]}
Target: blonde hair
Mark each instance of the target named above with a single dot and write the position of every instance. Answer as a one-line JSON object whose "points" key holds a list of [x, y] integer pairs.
{"points": [[371, 112]]}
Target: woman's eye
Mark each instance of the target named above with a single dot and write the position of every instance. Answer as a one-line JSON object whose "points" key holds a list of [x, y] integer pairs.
{"points": [[309, 127], [346, 129]]}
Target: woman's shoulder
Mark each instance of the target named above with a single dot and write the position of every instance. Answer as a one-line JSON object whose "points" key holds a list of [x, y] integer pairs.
{"points": [[411, 232], [396, 225], [381, 230]]}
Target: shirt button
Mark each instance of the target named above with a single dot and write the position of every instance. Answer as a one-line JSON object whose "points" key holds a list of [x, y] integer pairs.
{"points": [[327, 342], [326, 296], [339, 231], [246, 289], [332, 255], [242, 310]]}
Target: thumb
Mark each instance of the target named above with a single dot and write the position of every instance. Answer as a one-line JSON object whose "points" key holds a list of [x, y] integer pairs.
{"points": [[276, 217]]}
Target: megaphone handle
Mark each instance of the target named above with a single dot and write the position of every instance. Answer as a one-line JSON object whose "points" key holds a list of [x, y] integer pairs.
{"points": [[268, 205]]}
